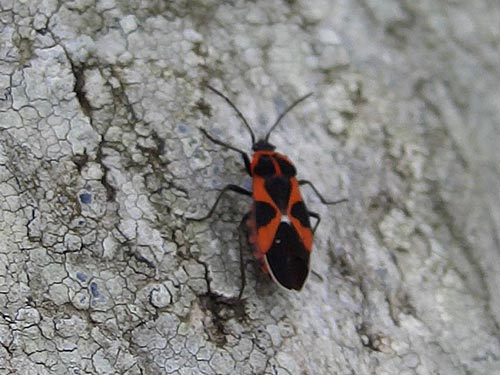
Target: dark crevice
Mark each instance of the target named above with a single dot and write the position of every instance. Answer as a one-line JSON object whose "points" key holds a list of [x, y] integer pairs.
{"points": [[78, 70], [220, 309], [120, 93], [110, 189], [45, 29], [202, 106], [31, 237], [154, 153], [80, 160], [79, 88]]}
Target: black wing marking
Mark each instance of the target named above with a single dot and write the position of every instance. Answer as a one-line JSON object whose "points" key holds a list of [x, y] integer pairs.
{"points": [[288, 259]]}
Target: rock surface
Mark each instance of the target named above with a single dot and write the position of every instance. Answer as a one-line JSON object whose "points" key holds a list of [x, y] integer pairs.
{"points": [[101, 161]]}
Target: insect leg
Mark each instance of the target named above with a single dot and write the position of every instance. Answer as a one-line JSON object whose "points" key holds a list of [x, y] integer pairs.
{"points": [[242, 237], [318, 219], [323, 200], [230, 187], [243, 154]]}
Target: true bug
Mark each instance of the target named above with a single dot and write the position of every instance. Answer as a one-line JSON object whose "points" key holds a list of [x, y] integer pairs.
{"points": [[278, 222]]}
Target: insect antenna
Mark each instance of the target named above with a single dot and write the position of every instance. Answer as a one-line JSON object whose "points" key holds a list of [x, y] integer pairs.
{"points": [[280, 117], [240, 115]]}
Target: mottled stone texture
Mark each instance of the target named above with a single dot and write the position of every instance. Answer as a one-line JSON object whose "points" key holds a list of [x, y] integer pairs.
{"points": [[101, 161]]}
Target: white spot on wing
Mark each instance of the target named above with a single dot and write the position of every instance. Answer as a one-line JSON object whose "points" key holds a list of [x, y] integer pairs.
{"points": [[285, 219]]}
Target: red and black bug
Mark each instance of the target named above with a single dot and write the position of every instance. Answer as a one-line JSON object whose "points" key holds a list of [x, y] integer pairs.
{"points": [[278, 223]]}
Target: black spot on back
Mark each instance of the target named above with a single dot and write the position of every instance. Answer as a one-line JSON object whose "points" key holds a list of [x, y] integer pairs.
{"points": [[286, 167], [299, 211], [288, 259], [264, 167], [278, 187], [264, 213]]}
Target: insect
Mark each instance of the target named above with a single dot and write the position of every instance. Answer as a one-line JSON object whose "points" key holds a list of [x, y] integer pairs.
{"points": [[278, 224]]}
